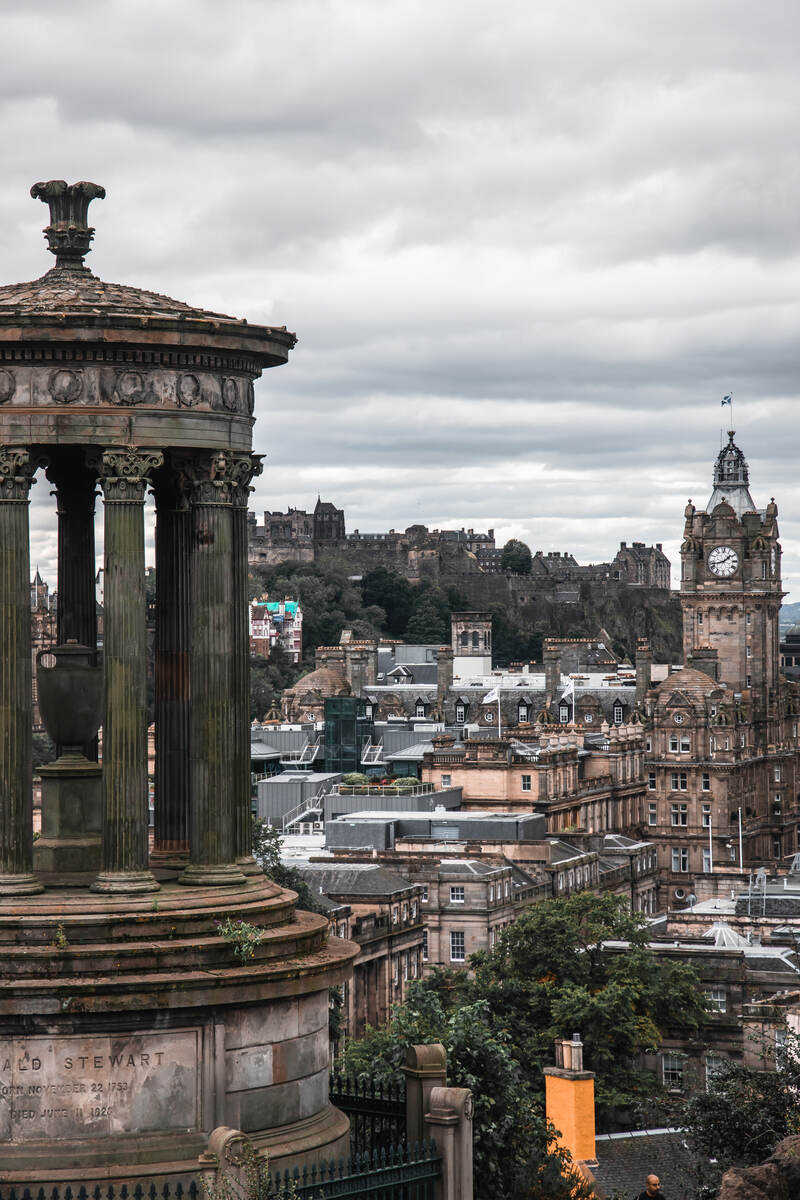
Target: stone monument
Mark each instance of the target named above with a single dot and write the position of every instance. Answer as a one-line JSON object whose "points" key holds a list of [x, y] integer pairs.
{"points": [[130, 1027]]}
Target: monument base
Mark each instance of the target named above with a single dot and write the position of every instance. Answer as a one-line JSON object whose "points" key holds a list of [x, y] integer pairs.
{"points": [[131, 1029]]}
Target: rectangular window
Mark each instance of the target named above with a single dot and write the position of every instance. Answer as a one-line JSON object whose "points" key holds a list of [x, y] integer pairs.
{"points": [[405, 910], [706, 782], [648, 746], [460, 714], [396, 971], [680, 814], [424, 897], [419, 710], [749, 681], [680, 859], [706, 860], [651, 780], [706, 817], [672, 1071], [673, 781], [699, 618], [747, 619], [683, 781], [686, 743], [563, 714], [413, 960], [446, 780], [526, 783], [405, 966], [652, 813], [508, 888], [776, 773], [717, 999], [617, 714], [522, 715], [456, 895], [395, 914], [713, 1067], [457, 948], [749, 652], [424, 945], [673, 744], [763, 570], [413, 910], [491, 892], [777, 848]]}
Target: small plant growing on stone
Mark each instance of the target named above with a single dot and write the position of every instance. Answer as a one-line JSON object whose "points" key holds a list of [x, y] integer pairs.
{"points": [[243, 937], [60, 941]]}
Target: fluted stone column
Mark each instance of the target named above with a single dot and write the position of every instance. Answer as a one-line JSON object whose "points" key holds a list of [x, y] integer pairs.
{"points": [[212, 731], [172, 679], [247, 466], [76, 487], [17, 468], [123, 475], [76, 615]]}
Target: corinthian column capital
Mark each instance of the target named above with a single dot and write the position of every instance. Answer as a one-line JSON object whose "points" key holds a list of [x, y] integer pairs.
{"points": [[124, 471], [245, 468], [17, 469]]}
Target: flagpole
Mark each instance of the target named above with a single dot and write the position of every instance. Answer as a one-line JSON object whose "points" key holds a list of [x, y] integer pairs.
{"points": [[499, 717]]}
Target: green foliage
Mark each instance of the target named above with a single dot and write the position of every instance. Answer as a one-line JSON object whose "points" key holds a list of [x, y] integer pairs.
{"points": [[516, 557], [44, 750], [267, 853], [329, 600], [241, 936], [268, 679], [515, 1157], [746, 1111], [355, 779], [551, 974], [391, 593], [510, 643], [430, 619]]}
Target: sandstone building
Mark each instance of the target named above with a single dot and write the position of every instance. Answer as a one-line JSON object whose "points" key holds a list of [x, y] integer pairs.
{"points": [[722, 733]]}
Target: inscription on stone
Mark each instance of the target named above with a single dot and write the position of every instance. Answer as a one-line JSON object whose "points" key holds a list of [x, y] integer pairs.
{"points": [[72, 1087]]}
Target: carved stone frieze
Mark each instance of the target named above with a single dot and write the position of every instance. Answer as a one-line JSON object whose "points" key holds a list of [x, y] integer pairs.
{"points": [[124, 472], [48, 383], [17, 469], [64, 385], [7, 386]]}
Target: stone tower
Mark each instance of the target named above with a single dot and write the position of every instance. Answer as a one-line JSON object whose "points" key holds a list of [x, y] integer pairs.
{"points": [[731, 584], [471, 639]]}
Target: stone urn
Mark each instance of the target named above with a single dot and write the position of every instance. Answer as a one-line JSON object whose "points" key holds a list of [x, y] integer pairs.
{"points": [[70, 695]]}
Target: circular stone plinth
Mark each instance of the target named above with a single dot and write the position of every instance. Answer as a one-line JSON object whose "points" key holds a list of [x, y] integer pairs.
{"points": [[129, 1029]]}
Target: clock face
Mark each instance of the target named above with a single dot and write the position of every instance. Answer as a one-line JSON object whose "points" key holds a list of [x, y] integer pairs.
{"points": [[723, 560]]}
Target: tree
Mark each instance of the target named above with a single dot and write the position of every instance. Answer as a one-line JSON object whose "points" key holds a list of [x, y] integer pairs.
{"points": [[552, 973], [516, 557], [267, 853], [746, 1110], [430, 620], [515, 1157], [391, 593]]}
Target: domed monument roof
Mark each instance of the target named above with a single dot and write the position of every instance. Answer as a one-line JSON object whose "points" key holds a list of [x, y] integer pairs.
{"points": [[69, 339], [731, 480]]}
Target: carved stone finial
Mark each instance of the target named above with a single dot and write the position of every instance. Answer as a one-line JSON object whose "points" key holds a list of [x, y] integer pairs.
{"points": [[69, 234]]}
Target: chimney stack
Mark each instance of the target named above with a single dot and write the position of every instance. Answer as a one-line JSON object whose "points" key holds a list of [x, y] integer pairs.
{"points": [[569, 1099], [644, 669], [551, 656]]}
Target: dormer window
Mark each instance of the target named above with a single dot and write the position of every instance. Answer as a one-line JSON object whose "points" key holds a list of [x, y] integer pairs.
{"points": [[460, 714], [563, 714], [522, 714], [419, 709], [617, 714]]}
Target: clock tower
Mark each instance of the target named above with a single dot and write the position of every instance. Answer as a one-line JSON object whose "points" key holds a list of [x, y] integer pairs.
{"points": [[731, 586]]}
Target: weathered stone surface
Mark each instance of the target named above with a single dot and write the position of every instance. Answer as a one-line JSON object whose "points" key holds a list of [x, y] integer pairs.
{"points": [[776, 1179], [67, 1087]]}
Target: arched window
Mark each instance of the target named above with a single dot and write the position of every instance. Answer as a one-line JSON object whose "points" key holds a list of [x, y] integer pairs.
{"points": [[475, 640], [464, 639]]}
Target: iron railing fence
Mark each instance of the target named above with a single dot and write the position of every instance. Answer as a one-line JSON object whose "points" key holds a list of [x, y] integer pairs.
{"points": [[377, 1111], [391, 1173]]}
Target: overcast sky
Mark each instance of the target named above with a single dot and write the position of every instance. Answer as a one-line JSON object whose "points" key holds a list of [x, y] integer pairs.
{"points": [[526, 247]]}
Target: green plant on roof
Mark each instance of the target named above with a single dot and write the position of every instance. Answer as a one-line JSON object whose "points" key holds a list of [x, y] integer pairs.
{"points": [[241, 936]]}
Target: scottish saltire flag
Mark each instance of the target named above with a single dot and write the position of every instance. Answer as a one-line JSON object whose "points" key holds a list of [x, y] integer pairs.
{"points": [[726, 400]]}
